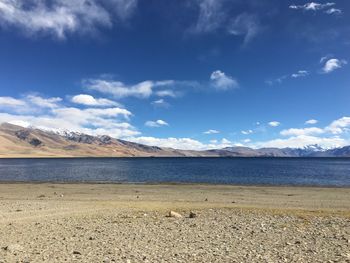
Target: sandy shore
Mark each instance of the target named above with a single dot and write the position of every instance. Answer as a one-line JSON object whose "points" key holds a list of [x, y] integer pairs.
{"points": [[128, 223]]}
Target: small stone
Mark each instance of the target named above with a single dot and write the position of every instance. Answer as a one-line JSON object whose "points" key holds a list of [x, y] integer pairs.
{"points": [[75, 252], [174, 214], [192, 215]]}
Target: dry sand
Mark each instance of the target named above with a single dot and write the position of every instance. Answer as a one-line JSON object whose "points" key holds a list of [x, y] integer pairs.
{"points": [[128, 223]]}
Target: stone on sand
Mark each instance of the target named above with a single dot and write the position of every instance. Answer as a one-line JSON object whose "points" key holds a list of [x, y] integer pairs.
{"points": [[174, 214]]}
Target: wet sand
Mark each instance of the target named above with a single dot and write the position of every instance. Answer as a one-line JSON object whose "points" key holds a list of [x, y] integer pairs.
{"points": [[129, 223]]}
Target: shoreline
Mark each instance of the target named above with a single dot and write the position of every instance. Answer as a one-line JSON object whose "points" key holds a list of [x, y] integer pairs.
{"points": [[174, 184], [256, 196]]}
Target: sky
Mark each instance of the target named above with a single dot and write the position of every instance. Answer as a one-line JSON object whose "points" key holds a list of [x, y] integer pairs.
{"points": [[195, 74]]}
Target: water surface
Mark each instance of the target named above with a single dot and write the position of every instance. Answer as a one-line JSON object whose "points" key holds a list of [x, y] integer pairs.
{"points": [[245, 171]]}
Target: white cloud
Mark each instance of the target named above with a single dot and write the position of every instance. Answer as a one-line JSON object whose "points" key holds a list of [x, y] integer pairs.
{"points": [[324, 58], [49, 115], [156, 124], [298, 138], [60, 17], [311, 121], [160, 103], [182, 143], [211, 16], [334, 11], [221, 81], [302, 141], [333, 64], [305, 131], [176, 143], [247, 140], [44, 102], [11, 102], [119, 89], [29, 103], [274, 123], [339, 126], [300, 73], [312, 6], [89, 100], [211, 132], [246, 25], [143, 89], [247, 132], [166, 93], [225, 141]]}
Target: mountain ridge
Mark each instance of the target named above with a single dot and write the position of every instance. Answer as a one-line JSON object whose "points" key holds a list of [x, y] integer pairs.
{"points": [[17, 141]]}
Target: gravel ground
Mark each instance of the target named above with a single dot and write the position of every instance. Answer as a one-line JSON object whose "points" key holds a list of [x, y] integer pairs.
{"points": [[91, 229]]}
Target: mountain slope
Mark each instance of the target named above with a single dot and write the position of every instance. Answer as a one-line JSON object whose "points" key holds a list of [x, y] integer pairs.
{"points": [[16, 141]]}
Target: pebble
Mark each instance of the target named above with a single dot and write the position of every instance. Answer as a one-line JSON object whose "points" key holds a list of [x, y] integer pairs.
{"points": [[174, 214]]}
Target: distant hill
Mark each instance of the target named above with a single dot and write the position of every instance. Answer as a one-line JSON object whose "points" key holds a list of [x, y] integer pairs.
{"points": [[16, 141]]}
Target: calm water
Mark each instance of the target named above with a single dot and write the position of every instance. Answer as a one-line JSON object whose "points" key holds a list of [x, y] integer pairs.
{"points": [[267, 171]]}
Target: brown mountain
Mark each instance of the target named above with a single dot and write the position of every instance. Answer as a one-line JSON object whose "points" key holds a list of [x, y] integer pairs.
{"points": [[16, 141]]}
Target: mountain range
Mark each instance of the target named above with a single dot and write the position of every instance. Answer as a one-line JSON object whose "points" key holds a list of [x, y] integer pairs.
{"points": [[17, 141]]}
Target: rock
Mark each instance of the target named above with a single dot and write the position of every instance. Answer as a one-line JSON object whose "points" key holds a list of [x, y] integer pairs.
{"points": [[174, 214], [75, 252], [13, 248], [41, 196], [192, 215], [206, 200]]}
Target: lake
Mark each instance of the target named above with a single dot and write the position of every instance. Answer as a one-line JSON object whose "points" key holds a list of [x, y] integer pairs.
{"points": [[241, 171]]}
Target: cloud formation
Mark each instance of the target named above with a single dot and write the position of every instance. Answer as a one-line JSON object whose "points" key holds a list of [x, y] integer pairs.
{"points": [[118, 89], [11, 102], [61, 17], [160, 103], [211, 16], [211, 132], [311, 121], [142, 90], [47, 114], [216, 15], [156, 124], [274, 123], [300, 73], [333, 64], [246, 25], [183, 143], [326, 137], [247, 132], [305, 131], [313, 6], [221, 81], [88, 100]]}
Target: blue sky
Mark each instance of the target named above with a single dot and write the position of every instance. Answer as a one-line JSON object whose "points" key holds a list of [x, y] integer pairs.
{"points": [[193, 74]]}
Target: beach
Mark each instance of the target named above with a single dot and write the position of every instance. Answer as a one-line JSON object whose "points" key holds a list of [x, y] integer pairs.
{"points": [[47, 222]]}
